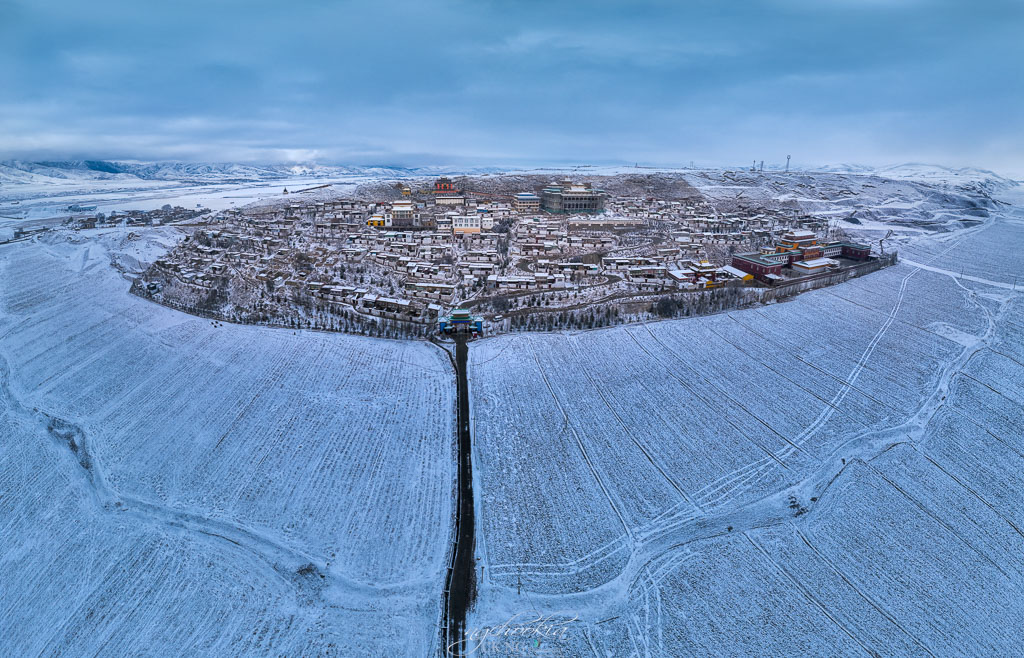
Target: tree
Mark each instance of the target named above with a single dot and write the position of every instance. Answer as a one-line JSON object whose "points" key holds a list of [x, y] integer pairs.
{"points": [[666, 307]]}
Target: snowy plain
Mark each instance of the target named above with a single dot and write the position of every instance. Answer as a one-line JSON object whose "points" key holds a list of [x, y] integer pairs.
{"points": [[839, 474], [171, 485]]}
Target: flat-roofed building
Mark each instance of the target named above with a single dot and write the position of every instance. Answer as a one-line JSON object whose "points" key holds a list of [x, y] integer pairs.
{"points": [[526, 202], [450, 200], [402, 213], [814, 266], [762, 267], [794, 240], [851, 250], [735, 273], [466, 224], [568, 197]]}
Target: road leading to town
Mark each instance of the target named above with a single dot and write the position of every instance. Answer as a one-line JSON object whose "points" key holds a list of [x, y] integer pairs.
{"points": [[461, 586]]}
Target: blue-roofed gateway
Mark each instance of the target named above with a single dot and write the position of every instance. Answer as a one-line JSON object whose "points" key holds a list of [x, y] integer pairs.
{"points": [[459, 321]]}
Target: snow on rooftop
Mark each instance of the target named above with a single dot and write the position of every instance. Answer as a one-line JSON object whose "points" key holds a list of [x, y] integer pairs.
{"points": [[816, 262], [733, 271]]}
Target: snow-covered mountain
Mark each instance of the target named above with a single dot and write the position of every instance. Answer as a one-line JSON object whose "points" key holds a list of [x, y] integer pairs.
{"points": [[17, 171], [13, 172], [922, 172]]}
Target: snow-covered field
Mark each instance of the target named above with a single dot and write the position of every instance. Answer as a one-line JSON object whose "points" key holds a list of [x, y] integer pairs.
{"points": [[171, 486], [842, 473], [833, 475]]}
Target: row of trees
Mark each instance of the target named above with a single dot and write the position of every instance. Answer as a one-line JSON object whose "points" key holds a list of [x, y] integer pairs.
{"points": [[686, 304], [591, 318], [308, 312]]}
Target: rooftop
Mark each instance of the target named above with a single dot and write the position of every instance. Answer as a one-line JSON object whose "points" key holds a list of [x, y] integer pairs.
{"points": [[816, 262]]}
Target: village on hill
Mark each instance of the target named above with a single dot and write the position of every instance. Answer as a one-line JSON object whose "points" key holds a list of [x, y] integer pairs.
{"points": [[568, 255]]}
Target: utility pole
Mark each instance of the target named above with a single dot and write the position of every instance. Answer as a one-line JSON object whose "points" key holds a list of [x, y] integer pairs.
{"points": [[787, 163], [881, 243]]}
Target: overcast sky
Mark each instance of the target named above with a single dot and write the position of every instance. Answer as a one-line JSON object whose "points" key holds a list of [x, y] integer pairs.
{"points": [[517, 82]]}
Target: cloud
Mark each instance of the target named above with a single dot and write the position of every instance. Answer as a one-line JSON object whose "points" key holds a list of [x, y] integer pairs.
{"points": [[610, 46], [656, 81]]}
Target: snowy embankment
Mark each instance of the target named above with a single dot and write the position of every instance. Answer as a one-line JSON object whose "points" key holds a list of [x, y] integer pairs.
{"points": [[171, 486], [836, 474]]}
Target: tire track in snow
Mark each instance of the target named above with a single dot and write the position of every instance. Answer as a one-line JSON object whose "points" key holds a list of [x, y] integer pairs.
{"points": [[579, 443], [664, 539], [770, 341], [625, 428], [957, 275], [669, 538], [697, 395], [808, 594], [769, 366], [725, 395], [851, 379], [939, 520], [303, 570], [860, 592]]}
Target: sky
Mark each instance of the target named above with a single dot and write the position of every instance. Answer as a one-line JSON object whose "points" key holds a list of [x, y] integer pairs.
{"points": [[524, 82]]}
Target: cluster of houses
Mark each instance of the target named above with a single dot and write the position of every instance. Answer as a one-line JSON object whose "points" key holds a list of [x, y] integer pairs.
{"points": [[166, 215], [409, 259]]}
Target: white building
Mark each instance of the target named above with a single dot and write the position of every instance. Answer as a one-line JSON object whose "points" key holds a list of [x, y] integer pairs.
{"points": [[526, 202], [466, 224], [402, 213], [814, 266]]}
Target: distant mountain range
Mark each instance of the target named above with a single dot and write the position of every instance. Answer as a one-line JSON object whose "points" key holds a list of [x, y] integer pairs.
{"points": [[17, 171]]}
